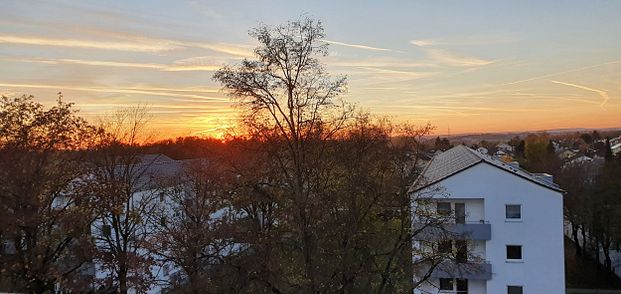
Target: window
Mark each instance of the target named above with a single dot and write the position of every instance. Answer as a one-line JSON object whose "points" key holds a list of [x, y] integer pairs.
{"points": [[462, 251], [514, 252], [446, 284], [513, 211], [460, 213], [449, 285], [514, 290], [445, 246], [462, 286], [444, 208]]}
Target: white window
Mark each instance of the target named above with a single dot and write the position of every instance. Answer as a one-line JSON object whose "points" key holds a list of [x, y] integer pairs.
{"points": [[514, 252], [513, 211], [515, 290]]}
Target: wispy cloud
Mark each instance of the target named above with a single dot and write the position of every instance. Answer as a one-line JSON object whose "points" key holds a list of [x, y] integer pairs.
{"points": [[602, 93], [550, 75], [446, 57], [133, 90], [452, 59], [476, 40], [383, 71], [379, 63], [156, 66], [357, 46], [127, 43], [424, 43], [144, 45]]}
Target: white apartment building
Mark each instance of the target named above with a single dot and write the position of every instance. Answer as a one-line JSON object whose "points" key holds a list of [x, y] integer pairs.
{"points": [[510, 220]]}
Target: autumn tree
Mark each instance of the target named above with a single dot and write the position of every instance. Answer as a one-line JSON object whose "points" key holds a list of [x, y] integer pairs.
{"points": [[122, 183], [44, 216], [539, 155]]}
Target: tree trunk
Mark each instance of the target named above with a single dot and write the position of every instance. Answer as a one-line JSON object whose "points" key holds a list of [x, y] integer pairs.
{"points": [[123, 280], [584, 241], [597, 259], [606, 250], [574, 234]]}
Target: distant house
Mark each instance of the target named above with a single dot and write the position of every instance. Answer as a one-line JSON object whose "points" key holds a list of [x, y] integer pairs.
{"points": [[505, 147], [580, 160], [155, 174], [566, 154], [616, 149], [500, 153], [512, 219], [482, 150]]}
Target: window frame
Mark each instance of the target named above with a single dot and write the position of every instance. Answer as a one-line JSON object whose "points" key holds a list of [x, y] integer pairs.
{"points": [[508, 219], [521, 259]]}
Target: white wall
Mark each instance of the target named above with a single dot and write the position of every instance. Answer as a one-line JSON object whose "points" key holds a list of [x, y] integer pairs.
{"points": [[540, 232]]}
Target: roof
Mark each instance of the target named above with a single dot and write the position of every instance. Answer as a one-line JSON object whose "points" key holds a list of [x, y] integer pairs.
{"points": [[459, 158], [152, 170]]}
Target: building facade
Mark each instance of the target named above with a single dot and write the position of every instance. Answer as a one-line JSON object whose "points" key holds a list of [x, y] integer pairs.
{"points": [[508, 223]]}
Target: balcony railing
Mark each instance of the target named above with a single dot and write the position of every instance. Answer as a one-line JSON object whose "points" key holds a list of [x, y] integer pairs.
{"points": [[469, 230], [472, 270]]}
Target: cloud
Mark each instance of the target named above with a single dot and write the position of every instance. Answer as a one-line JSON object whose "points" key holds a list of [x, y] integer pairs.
{"points": [[451, 59], [601, 93], [476, 40], [562, 72], [424, 43], [144, 45], [127, 43], [136, 90], [396, 72], [357, 46], [445, 57], [376, 63], [157, 66]]}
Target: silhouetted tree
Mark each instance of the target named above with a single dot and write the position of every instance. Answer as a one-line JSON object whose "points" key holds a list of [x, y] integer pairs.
{"points": [[125, 197], [44, 216]]}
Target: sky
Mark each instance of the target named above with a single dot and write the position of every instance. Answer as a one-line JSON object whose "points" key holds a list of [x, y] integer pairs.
{"points": [[463, 66]]}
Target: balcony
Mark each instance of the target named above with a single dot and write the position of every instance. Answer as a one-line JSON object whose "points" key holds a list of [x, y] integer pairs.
{"points": [[472, 270], [469, 231]]}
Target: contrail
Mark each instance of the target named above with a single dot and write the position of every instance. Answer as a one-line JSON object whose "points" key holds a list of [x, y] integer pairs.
{"points": [[602, 93], [562, 72]]}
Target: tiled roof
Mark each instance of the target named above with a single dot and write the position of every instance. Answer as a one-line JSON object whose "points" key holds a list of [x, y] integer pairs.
{"points": [[461, 157]]}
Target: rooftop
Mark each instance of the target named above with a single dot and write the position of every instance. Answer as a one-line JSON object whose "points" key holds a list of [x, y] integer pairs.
{"points": [[459, 158]]}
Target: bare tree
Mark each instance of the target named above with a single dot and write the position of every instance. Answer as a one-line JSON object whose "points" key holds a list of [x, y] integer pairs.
{"points": [[290, 99], [122, 183]]}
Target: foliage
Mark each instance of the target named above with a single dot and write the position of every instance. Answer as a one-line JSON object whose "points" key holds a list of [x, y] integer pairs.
{"points": [[44, 215]]}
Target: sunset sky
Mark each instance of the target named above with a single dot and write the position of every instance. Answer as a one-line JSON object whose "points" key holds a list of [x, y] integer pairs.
{"points": [[471, 66]]}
